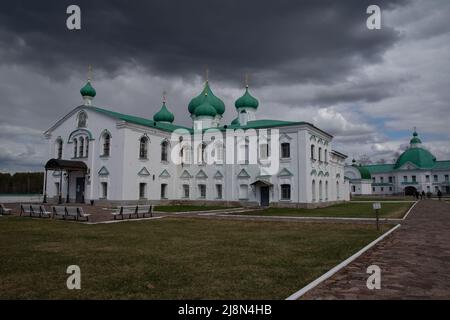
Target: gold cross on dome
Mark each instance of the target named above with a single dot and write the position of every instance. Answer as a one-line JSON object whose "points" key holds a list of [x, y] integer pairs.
{"points": [[246, 80], [164, 96], [206, 74]]}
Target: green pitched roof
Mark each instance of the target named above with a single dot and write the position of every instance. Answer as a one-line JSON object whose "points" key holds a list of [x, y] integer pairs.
{"points": [[164, 115], [138, 120], [378, 168], [246, 101]]}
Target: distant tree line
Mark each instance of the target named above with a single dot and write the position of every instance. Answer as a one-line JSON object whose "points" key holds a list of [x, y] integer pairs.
{"points": [[21, 182]]}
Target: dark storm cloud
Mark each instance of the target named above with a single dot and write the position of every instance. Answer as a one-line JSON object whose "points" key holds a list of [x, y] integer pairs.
{"points": [[279, 40]]}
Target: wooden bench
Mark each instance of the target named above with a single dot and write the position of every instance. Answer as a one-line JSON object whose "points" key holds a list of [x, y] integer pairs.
{"points": [[40, 211], [4, 210], [25, 209], [146, 209], [126, 211], [83, 215], [59, 211]]}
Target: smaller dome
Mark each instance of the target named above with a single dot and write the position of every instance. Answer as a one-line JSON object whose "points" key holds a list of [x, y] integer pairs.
{"points": [[415, 139], [246, 101], [88, 90], [235, 121], [205, 109], [365, 173], [164, 115]]}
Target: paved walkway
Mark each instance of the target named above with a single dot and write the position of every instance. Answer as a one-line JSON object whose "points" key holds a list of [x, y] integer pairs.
{"points": [[414, 261]]}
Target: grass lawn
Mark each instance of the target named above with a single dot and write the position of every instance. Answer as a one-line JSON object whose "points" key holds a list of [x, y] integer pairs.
{"points": [[347, 210], [181, 208], [171, 258]]}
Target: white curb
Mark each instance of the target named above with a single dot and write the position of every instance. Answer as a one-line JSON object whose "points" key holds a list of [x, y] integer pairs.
{"points": [[337, 268], [407, 213]]}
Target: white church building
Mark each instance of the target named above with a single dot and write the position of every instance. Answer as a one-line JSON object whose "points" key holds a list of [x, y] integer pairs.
{"points": [[99, 155], [415, 170]]}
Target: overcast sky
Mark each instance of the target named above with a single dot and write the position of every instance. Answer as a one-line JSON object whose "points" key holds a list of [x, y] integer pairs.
{"points": [[310, 61]]}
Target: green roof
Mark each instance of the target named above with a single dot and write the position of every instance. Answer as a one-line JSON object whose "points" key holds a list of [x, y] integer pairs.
{"points": [[88, 90], [420, 157], [235, 121], [365, 173], [137, 120], [207, 95], [163, 114], [442, 165], [246, 101], [379, 168], [255, 124], [205, 109]]}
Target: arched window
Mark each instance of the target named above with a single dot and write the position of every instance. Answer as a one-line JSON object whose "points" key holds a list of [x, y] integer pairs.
{"points": [[81, 152], [326, 155], [106, 144], [201, 154], [87, 147], [264, 151], [75, 147], [219, 153], [143, 148], [59, 148], [320, 154], [164, 150], [82, 117], [313, 188], [312, 152], [185, 154], [326, 190], [320, 191]]}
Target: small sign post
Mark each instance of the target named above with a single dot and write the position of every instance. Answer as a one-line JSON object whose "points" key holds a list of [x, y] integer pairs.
{"points": [[377, 207]]}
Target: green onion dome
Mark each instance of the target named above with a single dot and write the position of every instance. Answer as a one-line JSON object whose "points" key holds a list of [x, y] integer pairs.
{"points": [[246, 101], [235, 121], [88, 90], [164, 115], [206, 109], [207, 95], [415, 139]]}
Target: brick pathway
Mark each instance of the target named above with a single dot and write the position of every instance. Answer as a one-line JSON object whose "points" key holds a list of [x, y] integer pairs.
{"points": [[414, 261]]}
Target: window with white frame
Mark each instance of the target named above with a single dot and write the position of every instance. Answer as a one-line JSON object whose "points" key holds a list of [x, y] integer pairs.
{"points": [[59, 148], [202, 191], [243, 191], [142, 190], [163, 191], [106, 144], [104, 190], [285, 150], [285, 192], [186, 191], [164, 150], [143, 148], [219, 191]]}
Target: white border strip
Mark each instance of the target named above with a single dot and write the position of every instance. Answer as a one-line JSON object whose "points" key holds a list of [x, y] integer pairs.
{"points": [[407, 213], [341, 265]]}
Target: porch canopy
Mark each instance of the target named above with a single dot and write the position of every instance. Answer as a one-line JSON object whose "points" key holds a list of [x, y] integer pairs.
{"points": [[62, 165], [261, 183], [66, 165]]}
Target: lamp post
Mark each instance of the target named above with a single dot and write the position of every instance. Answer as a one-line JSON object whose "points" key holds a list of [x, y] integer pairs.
{"points": [[377, 207]]}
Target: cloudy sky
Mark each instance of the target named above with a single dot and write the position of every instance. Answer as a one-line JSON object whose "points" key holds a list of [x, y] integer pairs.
{"points": [[310, 61]]}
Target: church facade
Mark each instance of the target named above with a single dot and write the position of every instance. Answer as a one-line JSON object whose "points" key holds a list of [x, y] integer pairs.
{"points": [[415, 170], [100, 155]]}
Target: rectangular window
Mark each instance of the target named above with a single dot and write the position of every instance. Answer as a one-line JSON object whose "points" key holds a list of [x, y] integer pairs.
{"points": [[390, 180], [382, 189], [373, 189], [219, 191], [285, 192], [390, 188], [186, 191], [142, 190], [104, 186], [435, 178], [285, 150], [202, 191], [373, 179], [57, 188], [382, 179], [263, 151], [446, 177], [243, 191], [427, 178], [413, 178], [163, 191], [405, 178]]}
